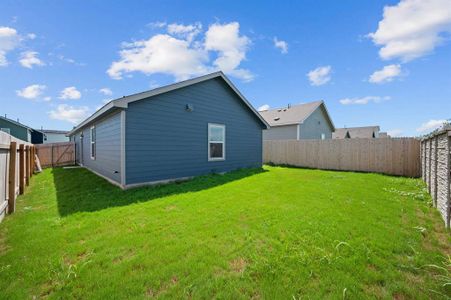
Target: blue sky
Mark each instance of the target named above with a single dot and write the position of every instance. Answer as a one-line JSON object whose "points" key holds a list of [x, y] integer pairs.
{"points": [[60, 60]]}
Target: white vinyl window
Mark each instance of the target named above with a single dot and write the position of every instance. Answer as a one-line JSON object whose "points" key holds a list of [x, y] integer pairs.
{"points": [[216, 142], [323, 136], [93, 142]]}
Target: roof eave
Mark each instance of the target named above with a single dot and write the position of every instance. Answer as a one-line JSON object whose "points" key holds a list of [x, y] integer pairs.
{"points": [[124, 101]]}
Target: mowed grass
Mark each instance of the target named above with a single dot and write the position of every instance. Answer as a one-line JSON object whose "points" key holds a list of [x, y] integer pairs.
{"points": [[274, 233]]}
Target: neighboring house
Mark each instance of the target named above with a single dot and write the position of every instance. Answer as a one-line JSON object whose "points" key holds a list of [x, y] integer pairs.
{"points": [[16, 129], [384, 135], [367, 132], [298, 122], [46, 136], [37, 136], [190, 128], [55, 136]]}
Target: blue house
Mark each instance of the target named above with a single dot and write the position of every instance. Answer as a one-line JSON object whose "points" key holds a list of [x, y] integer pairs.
{"points": [[175, 132], [16, 129]]}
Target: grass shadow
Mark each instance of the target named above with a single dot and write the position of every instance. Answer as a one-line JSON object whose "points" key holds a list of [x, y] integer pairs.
{"points": [[79, 190]]}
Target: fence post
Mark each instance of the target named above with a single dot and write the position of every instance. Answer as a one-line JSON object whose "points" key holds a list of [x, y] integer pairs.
{"points": [[21, 168], [12, 177], [33, 159], [27, 165]]}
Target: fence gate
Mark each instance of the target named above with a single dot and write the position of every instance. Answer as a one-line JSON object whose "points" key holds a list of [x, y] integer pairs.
{"points": [[56, 154]]}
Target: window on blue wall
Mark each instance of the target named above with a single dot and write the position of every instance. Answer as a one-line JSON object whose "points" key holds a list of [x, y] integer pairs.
{"points": [[93, 142], [216, 142]]}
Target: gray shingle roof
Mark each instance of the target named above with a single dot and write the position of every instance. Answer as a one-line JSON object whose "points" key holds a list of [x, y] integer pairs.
{"points": [[356, 132], [295, 114], [54, 131]]}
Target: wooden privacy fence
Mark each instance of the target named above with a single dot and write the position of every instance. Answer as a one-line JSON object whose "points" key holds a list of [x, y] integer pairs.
{"points": [[17, 161], [393, 156], [56, 154], [435, 160]]}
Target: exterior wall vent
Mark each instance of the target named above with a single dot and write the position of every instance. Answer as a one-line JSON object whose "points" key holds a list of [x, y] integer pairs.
{"points": [[189, 107]]}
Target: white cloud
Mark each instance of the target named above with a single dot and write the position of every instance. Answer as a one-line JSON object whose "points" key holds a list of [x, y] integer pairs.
{"points": [[282, 45], [9, 40], [320, 75], [430, 125], [47, 99], [106, 91], [29, 58], [363, 100], [31, 36], [185, 31], [395, 132], [67, 59], [157, 24], [32, 91], [263, 107], [70, 93], [160, 54], [412, 28], [182, 54], [231, 48], [69, 113], [387, 74]]}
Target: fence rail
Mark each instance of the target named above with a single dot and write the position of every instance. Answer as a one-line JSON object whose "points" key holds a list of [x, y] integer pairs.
{"points": [[56, 154], [17, 161], [393, 156], [436, 168]]}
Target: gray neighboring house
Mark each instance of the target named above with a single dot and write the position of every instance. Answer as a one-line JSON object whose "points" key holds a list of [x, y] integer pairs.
{"points": [[54, 136], [366, 132], [190, 128], [298, 122]]}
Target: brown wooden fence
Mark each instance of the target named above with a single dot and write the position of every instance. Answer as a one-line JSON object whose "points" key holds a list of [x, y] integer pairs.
{"points": [[56, 154], [436, 162], [393, 156], [17, 161]]}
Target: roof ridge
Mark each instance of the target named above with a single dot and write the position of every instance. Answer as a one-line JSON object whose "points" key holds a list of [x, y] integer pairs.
{"points": [[294, 105]]}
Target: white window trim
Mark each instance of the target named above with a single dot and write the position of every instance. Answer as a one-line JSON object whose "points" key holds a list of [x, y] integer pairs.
{"points": [[93, 157], [223, 142]]}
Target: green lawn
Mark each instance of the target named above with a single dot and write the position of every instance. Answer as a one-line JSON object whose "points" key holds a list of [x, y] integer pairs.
{"points": [[272, 233]]}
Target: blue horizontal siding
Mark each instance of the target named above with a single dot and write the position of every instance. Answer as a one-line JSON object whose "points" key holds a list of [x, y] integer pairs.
{"points": [[164, 141], [108, 147]]}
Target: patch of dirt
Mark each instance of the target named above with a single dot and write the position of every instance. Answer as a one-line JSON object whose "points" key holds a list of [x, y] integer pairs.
{"points": [[238, 265], [170, 208], [124, 256], [376, 291], [151, 293], [399, 296]]}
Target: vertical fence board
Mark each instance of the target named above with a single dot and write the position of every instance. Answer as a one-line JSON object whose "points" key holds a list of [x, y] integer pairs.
{"points": [[11, 172], [56, 154], [12, 177], [399, 156]]}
